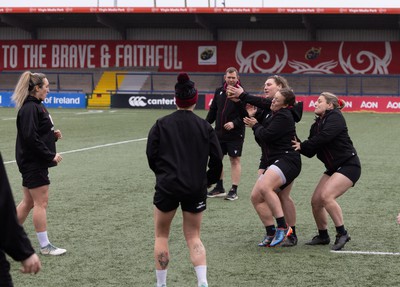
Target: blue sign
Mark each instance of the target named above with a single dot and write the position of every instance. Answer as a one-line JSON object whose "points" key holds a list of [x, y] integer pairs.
{"points": [[53, 100], [5, 99]]}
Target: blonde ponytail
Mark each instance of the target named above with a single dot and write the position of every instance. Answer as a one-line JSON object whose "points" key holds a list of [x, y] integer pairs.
{"points": [[21, 89], [25, 87]]}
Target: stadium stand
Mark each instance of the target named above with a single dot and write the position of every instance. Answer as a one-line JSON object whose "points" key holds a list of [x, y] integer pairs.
{"points": [[162, 27], [164, 82], [99, 84], [100, 98], [132, 82], [8, 80], [82, 80]]}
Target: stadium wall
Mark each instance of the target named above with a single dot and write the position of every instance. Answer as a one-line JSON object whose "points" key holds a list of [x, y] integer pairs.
{"points": [[7, 33], [224, 35], [261, 57]]}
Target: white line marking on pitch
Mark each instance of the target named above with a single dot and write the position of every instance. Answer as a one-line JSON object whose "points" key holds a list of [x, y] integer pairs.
{"points": [[91, 112], [367, 252], [100, 146], [93, 147]]}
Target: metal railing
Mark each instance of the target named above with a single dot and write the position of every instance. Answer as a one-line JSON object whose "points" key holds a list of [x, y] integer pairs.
{"points": [[304, 84], [59, 81], [163, 83]]}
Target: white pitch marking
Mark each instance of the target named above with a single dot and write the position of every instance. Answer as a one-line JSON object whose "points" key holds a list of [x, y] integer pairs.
{"points": [[367, 252], [92, 147], [91, 112], [104, 145]]}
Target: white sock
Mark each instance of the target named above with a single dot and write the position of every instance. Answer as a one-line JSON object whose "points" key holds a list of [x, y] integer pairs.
{"points": [[201, 272], [161, 277], [43, 239]]}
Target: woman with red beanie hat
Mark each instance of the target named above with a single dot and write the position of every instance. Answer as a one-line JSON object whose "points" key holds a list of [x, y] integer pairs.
{"points": [[180, 148]]}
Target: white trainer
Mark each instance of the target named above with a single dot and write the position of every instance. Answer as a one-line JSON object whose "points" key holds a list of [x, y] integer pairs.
{"points": [[50, 249]]}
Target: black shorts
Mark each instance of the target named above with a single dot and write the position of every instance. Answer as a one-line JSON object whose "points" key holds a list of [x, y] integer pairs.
{"points": [[290, 168], [232, 148], [168, 203], [35, 178], [350, 169]]}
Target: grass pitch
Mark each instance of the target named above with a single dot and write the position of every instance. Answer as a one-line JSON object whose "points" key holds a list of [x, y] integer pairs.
{"points": [[100, 210]]}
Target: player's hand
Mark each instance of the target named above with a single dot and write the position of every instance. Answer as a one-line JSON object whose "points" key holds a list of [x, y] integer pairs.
{"points": [[57, 158], [31, 265], [228, 126], [234, 92], [250, 122], [296, 144], [58, 134]]}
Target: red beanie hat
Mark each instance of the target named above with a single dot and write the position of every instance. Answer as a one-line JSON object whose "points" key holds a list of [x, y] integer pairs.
{"points": [[185, 92]]}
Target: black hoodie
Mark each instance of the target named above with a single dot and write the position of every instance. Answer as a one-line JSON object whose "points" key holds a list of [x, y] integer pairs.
{"points": [[275, 131], [36, 143], [329, 139], [180, 148]]}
